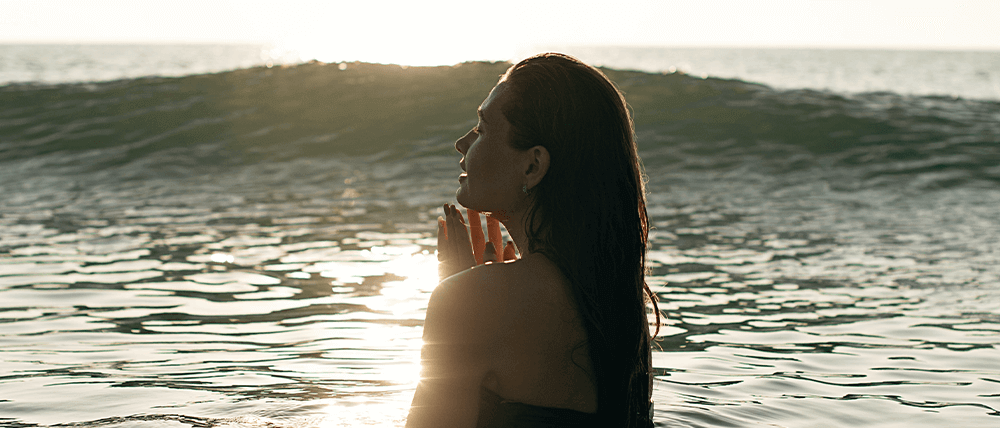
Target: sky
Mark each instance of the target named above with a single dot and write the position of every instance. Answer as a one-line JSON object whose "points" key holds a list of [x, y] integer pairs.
{"points": [[470, 30]]}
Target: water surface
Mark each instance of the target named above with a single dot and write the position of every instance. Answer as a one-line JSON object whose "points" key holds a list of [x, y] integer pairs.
{"points": [[177, 252]]}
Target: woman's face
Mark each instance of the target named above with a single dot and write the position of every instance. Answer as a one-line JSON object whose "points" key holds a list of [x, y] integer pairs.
{"points": [[492, 180]]}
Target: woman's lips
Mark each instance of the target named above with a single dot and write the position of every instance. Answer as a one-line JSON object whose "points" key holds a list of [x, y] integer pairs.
{"points": [[463, 175]]}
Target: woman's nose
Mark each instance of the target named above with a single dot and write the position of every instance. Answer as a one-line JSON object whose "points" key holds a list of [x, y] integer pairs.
{"points": [[462, 144]]}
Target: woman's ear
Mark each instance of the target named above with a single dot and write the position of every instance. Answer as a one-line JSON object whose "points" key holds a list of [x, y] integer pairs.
{"points": [[538, 165]]}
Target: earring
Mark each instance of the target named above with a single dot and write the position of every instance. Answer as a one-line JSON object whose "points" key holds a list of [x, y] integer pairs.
{"points": [[524, 189]]}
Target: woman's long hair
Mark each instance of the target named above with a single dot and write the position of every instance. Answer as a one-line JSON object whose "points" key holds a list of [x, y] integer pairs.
{"points": [[588, 216]]}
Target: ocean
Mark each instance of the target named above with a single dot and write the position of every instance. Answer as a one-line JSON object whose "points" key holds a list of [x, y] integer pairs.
{"points": [[217, 236]]}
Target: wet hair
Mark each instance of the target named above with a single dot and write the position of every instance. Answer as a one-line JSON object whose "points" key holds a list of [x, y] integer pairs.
{"points": [[588, 216]]}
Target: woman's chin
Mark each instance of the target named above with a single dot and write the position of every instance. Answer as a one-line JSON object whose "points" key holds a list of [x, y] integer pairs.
{"points": [[468, 202]]}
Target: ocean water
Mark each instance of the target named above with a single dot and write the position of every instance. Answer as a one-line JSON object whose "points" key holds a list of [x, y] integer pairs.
{"points": [[255, 247], [965, 74]]}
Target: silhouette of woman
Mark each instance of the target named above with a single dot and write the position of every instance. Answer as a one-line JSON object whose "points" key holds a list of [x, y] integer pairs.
{"points": [[559, 336]]}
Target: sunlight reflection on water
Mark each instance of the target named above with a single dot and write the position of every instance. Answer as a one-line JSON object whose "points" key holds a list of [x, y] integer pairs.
{"points": [[274, 309]]}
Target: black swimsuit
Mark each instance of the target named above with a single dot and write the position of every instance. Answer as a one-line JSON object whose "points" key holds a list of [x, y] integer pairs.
{"points": [[495, 412]]}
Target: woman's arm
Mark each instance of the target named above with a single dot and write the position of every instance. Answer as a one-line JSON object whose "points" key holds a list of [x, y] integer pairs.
{"points": [[454, 359], [460, 334]]}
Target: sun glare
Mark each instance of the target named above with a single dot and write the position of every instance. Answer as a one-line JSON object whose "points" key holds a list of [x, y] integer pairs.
{"points": [[383, 51], [395, 33]]}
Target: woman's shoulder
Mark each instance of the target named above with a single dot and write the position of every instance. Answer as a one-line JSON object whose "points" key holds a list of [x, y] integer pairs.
{"points": [[495, 296], [481, 287], [484, 284]]}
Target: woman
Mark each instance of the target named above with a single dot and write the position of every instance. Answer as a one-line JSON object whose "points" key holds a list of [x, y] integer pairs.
{"points": [[558, 337]]}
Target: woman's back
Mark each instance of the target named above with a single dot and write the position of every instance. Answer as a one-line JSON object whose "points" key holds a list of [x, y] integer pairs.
{"points": [[511, 329], [542, 356]]}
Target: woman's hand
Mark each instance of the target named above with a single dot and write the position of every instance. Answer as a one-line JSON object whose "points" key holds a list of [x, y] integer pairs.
{"points": [[458, 251]]}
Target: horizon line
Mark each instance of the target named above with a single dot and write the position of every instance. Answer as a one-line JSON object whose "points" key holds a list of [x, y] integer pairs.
{"points": [[538, 47]]}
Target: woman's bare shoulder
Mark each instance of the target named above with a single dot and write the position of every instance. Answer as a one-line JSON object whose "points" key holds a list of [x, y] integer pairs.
{"points": [[502, 280], [494, 296], [464, 307], [480, 287]]}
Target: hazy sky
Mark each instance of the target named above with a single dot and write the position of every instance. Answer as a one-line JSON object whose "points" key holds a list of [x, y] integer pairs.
{"points": [[496, 30]]}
